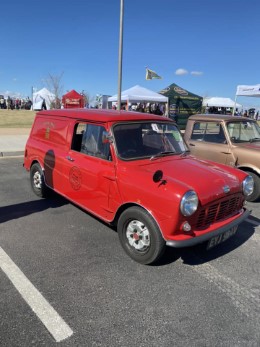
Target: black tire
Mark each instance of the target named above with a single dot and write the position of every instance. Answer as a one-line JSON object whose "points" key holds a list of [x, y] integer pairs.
{"points": [[256, 193], [37, 181], [140, 236]]}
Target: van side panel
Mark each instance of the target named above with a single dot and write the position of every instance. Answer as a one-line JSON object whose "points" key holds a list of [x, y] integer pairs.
{"points": [[52, 130], [47, 144]]}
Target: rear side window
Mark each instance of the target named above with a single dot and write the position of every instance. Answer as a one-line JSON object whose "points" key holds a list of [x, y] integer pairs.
{"points": [[88, 139], [208, 132]]}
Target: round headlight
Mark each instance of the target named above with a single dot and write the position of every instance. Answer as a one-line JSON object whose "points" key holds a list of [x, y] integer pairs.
{"points": [[248, 185], [189, 203]]}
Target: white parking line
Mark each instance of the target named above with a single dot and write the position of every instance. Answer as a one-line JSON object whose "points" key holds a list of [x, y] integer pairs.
{"points": [[40, 306], [243, 298]]}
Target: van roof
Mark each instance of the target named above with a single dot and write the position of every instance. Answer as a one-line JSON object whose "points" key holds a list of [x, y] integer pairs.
{"points": [[101, 115]]}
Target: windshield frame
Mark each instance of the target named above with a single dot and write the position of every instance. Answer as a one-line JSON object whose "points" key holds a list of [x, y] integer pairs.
{"points": [[237, 134], [140, 140]]}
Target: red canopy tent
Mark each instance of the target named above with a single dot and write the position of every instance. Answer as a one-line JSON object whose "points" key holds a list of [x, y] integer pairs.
{"points": [[73, 100]]}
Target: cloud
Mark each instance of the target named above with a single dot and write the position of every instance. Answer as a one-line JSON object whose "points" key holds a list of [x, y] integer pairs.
{"points": [[7, 93], [196, 73], [181, 72], [14, 79]]}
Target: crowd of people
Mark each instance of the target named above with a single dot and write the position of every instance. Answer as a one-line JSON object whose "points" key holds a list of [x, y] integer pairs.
{"points": [[15, 103], [251, 113], [153, 108]]}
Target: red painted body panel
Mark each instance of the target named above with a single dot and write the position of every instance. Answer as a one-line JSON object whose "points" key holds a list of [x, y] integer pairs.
{"points": [[102, 187]]}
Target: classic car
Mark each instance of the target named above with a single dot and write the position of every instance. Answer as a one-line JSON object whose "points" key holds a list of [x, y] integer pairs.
{"points": [[229, 140], [133, 170]]}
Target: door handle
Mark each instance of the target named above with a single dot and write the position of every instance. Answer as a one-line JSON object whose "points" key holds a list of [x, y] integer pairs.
{"points": [[69, 158]]}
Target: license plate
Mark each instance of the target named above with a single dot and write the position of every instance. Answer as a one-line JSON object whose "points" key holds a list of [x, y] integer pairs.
{"points": [[216, 240]]}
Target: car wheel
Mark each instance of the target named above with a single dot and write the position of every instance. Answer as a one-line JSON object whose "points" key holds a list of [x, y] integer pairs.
{"points": [[37, 181], [140, 236], [256, 193]]}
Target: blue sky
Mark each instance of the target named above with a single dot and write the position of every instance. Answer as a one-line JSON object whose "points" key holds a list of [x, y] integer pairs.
{"points": [[205, 46]]}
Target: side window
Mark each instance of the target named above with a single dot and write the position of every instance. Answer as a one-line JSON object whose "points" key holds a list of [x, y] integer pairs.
{"points": [[88, 139], [209, 132], [198, 131], [79, 130]]}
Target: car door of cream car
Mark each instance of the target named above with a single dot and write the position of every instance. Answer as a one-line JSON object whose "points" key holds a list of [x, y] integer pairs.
{"points": [[208, 141]]}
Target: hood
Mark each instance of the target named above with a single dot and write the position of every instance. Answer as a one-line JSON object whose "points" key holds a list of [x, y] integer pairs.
{"points": [[206, 178]]}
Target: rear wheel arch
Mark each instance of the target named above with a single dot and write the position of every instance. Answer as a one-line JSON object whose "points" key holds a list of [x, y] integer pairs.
{"points": [[37, 180]]}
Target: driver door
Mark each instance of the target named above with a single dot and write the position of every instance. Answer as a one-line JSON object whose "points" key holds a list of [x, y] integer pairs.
{"points": [[208, 141]]}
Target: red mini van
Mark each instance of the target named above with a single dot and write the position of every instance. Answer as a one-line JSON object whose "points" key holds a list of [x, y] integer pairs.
{"points": [[134, 170]]}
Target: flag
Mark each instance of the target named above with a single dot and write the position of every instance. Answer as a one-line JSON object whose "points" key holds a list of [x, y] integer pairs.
{"points": [[150, 75], [248, 90]]}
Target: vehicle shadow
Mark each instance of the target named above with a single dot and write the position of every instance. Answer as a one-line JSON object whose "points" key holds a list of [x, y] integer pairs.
{"points": [[199, 254], [23, 209]]}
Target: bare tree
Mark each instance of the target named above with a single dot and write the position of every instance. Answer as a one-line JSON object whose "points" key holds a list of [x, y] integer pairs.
{"points": [[54, 85], [87, 98]]}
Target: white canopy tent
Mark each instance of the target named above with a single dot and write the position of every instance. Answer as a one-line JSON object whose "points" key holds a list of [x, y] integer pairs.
{"points": [[40, 96], [220, 102], [138, 94], [245, 90]]}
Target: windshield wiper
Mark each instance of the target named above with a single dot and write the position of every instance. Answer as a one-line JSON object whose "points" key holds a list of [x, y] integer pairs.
{"points": [[255, 139], [162, 154], [183, 154]]}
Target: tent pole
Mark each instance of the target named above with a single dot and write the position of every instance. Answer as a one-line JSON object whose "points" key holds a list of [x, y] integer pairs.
{"points": [[233, 112]]}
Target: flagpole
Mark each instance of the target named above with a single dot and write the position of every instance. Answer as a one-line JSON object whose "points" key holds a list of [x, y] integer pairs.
{"points": [[120, 54], [233, 112], [32, 100]]}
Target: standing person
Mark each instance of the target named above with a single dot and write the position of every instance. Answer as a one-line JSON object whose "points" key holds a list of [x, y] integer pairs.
{"points": [[2, 102], [17, 104], [8, 103], [44, 107]]}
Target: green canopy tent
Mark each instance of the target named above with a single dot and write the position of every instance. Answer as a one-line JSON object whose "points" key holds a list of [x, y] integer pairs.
{"points": [[182, 103]]}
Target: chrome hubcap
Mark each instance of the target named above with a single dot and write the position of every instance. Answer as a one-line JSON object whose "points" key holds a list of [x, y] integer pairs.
{"points": [[138, 235], [37, 180]]}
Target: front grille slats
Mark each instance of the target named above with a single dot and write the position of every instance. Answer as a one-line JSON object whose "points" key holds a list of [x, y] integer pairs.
{"points": [[223, 209]]}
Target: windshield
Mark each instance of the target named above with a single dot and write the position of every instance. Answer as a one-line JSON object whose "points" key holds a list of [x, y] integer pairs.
{"points": [[245, 131], [147, 140]]}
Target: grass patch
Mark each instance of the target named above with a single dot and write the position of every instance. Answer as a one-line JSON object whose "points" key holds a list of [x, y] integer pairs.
{"points": [[16, 118]]}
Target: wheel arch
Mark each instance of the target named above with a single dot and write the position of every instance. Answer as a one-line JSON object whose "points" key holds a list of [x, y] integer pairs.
{"points": [[36, 161], [125, 206], [255, 196], [254, 170]]}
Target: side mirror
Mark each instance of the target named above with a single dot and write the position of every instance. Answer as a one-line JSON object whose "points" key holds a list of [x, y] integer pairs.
{"points": [[157, 176]]}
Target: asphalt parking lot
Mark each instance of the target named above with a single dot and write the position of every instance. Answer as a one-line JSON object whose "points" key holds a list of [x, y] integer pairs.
{"points": [[65, 280]]}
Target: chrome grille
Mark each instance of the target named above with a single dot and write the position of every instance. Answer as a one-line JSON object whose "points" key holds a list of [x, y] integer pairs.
{"points": [[219, 210]]}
